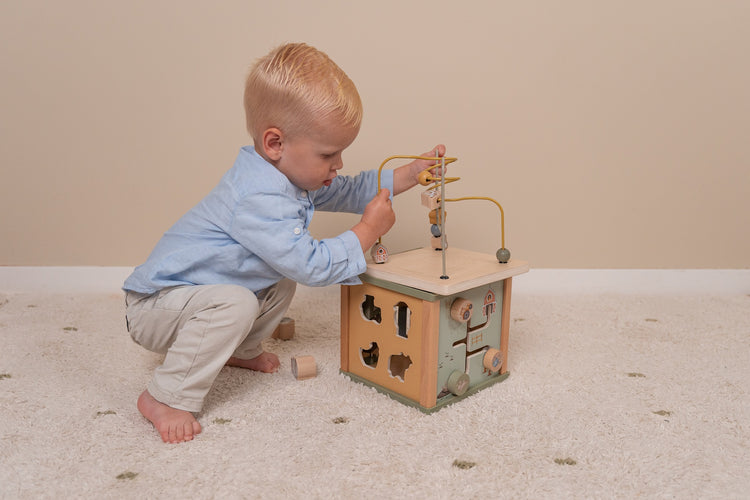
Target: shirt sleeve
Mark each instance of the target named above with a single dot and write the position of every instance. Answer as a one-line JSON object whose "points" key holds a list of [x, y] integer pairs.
{"points": [[352, 194], [273, 226]]}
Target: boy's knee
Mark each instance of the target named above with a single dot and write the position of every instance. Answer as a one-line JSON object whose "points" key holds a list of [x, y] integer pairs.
{"points": [[237, 296], [239, 305]]}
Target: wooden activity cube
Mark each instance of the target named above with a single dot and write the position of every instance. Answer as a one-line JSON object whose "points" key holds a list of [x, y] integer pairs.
{"points": [[423, 340]]}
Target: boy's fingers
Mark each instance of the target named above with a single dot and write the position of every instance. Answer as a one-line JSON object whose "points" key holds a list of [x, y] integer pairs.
{"points": [[438, 150]]}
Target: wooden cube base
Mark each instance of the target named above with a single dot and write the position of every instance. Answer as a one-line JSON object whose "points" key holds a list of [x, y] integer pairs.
{"points": [[399, 335]]}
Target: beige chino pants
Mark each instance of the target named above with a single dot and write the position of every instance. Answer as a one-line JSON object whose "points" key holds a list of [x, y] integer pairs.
{"points": [[198, 328]]}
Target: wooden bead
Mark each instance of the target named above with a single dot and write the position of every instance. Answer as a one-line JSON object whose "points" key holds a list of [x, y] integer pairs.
{"points": [[304, 367], [435, 216], [379, 253], [503, 255], [437, 242], [431, 199], [424, 178]]}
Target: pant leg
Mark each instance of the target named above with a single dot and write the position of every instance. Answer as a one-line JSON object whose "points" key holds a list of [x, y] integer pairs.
{"points": [[197, 328], [274, 302]]}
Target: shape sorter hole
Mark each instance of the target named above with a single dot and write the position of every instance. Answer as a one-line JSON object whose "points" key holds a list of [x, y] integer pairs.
{"points": [[402, 317], [398, 364], [370, 356], [370, 311]]}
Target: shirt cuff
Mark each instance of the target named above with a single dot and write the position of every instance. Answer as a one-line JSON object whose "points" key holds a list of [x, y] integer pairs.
{"points": [[386, 181], [356, 259]]}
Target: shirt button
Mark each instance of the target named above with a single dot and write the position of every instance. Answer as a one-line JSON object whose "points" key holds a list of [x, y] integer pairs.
{"points": [[297, 230], [303, 194]]}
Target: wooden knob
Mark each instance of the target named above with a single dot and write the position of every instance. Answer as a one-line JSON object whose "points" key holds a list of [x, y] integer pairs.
{"points": [[458, 382], [285, 330], [461, 310], [493, 360], [304, 367]]}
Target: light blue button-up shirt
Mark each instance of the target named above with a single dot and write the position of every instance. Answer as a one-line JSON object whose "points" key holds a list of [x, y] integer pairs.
{"points": [[252, 230]]}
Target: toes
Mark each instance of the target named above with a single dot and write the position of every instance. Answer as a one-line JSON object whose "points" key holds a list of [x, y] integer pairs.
{"points": [[164, 432], [179, 433], [272, 363], [271, 367], [172, 434], [190, 429]]}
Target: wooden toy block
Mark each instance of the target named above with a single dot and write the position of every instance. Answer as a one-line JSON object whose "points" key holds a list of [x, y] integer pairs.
{"points": [[431, 198], [304, 367], [436, 242], [424, 340], [285, 330], [379, 253]]}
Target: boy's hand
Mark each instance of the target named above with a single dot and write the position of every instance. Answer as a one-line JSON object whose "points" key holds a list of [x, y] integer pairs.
{"points": [[377, 219], [406, 176], [418, 166]]}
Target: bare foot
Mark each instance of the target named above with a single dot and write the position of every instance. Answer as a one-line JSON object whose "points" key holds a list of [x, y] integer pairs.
{"points": [[266, 362], [175, 426]]}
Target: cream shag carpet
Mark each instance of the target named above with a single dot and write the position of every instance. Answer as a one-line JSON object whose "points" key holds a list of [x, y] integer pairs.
{"points": [[610, 396]]}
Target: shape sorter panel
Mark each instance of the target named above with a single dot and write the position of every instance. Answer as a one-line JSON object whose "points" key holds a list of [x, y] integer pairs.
{"points": [[386, 341]]}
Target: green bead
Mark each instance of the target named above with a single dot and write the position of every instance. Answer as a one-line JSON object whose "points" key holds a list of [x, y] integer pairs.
{"points": [[503, 255]]}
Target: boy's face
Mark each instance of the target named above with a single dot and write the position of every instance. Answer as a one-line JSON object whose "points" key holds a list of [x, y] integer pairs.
{"points": [[311, 160]]}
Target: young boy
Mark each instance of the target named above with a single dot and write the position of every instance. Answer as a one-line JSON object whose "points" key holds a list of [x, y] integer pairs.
{"points": [[220, 280]]}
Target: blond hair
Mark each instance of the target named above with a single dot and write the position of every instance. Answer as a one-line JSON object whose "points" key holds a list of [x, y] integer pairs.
{"points": [[296, 86]]}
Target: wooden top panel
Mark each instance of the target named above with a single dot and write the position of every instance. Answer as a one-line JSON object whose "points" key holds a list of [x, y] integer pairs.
{"points": [[422, 268]]}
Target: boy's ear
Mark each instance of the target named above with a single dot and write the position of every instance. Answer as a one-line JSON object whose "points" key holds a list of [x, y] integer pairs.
{"points": [[273, 140]]}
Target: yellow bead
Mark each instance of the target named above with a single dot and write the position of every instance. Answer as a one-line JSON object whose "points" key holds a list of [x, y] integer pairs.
{"points": [[424, 177]]}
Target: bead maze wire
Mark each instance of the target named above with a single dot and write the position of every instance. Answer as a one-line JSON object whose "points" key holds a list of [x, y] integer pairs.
{"points": [[436, 176]]}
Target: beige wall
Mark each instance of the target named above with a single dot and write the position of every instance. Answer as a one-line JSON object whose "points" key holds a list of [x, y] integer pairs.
{"points": [[615, 134]]}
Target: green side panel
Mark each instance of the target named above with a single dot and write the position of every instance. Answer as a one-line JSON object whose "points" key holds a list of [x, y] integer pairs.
{"points": [[461, 345]]}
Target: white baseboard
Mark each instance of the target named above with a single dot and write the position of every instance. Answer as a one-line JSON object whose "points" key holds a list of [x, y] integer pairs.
{"points": [[89, 279], [78, 279], [634, 281]]}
